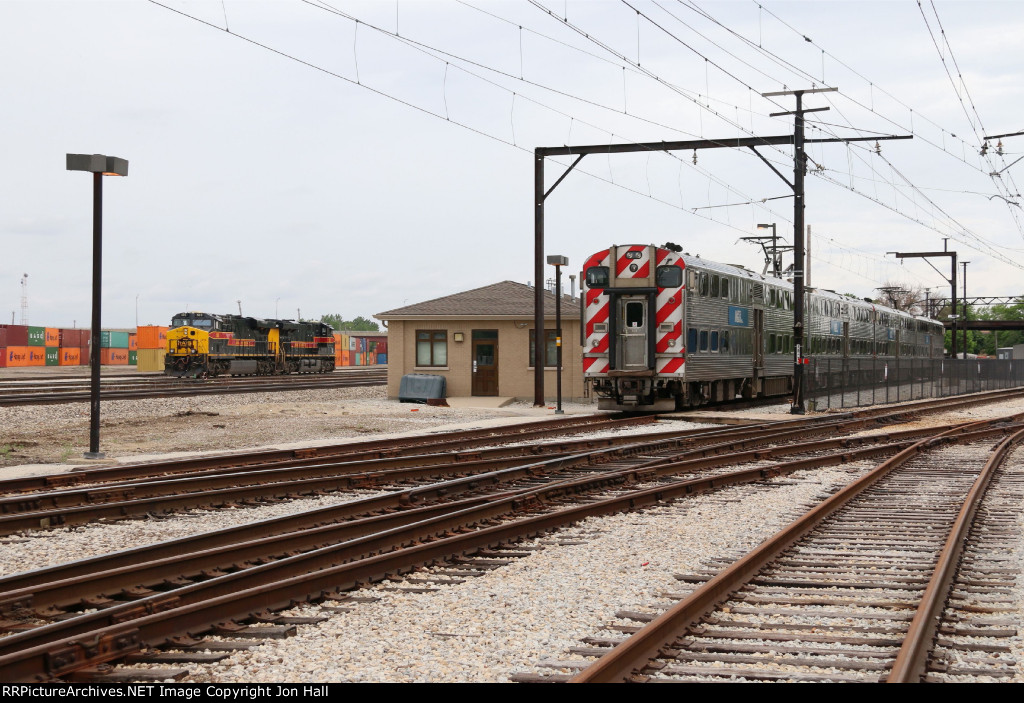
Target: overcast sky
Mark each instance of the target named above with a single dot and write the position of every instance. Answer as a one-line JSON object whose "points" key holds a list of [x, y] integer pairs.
{"points": [[285, 156]]}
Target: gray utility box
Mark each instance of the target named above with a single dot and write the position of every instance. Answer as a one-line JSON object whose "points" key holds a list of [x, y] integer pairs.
{"points": [[421, 387]]}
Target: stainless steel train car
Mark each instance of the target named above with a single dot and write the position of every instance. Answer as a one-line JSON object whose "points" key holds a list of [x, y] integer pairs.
{"points": [[664, 330]]}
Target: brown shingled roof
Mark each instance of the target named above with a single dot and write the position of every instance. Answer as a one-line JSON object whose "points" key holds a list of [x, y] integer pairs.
{"points": [[505, 299]]}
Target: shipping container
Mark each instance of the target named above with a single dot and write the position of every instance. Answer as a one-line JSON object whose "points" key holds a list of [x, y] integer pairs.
{"points": [[151, 359], [133, 342], [3, 357], [52, 337], [111, 339], [113, 356], [69, 338], [3, 337], [382, 358], [70, 356], [36, 356], [17, 335], [52, 356], [17, 356], [151, 337], [133, 357], [83, 355], [36, 337]]}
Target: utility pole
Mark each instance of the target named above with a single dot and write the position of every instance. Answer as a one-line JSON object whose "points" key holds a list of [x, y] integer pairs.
{"points": [[799, 166], [772, 254], [964, 264]]}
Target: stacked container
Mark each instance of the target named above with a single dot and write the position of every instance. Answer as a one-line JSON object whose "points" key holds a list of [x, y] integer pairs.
{"points": [[14, 341], [152, 346], [74, 347], [114, 348]]}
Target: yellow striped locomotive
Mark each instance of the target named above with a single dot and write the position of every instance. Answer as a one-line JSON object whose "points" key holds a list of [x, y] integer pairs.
{"points": [[665, 330], [200, 344]]}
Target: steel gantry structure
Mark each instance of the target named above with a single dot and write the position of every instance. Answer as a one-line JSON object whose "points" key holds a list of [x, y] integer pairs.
{"points": [[797, 140]]}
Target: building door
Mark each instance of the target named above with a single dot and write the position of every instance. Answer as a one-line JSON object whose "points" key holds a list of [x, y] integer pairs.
{"points": [[485, 362]]}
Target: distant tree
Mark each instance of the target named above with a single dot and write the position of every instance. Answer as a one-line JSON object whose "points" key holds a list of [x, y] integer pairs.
{"points": [[359, 324], [902, 296]]}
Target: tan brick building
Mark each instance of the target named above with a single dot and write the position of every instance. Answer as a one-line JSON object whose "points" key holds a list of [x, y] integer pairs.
{"points": [[491, 326]]}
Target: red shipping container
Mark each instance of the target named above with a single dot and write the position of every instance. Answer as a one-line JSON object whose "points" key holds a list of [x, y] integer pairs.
{"points": [[70, 356], [3, 337], [36, 356], [3, 357], [113, 357], [17, 335], [83, 354]]}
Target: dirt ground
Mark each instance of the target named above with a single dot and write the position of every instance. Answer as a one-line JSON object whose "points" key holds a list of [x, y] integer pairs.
{"points": [[59, 434]]}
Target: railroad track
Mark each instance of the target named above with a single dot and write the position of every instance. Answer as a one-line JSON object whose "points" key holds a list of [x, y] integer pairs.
{"points": [[14, 393], [854, 590], [235, 580]]}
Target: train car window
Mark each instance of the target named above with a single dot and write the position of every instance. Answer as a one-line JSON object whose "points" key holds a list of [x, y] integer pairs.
{"points": [[597, 277], [634, 314], [702, 285], [725, 341], [691, 339], [725, 287], [668, 276], [771, 343], [703, 340], [714, 340], [714, 286]]}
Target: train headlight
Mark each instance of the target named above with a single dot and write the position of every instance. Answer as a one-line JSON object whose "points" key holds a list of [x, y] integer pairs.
{"points": [[595, 342]]}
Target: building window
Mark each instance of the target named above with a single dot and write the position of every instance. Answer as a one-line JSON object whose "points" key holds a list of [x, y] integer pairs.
{"points": [[550, 348], [431, 348]]}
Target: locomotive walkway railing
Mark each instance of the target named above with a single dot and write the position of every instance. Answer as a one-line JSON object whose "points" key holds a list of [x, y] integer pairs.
{"points": [[848, 383]]}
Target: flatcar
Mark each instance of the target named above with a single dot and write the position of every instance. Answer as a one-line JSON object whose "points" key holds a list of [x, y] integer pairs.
{"points": [[201, 344], [663, 330]]}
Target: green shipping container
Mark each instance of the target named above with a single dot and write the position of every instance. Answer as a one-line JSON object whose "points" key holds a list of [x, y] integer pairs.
{"points": [[133, 358], [113, 340], [53, 356], [37, 336]]}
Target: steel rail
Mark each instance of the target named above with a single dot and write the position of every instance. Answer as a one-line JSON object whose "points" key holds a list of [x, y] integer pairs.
{"points": [[912, 659], [632, 655], [80, 506], [174, 389], [654, 468], [190, 610], [457, 440]]}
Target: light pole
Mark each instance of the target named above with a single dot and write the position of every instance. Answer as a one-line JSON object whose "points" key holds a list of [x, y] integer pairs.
{"points": [[276, 301], [558, 262], [98, 165]]}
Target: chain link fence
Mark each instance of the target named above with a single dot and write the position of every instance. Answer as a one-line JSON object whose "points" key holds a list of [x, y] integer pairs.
{"points": [[848, 383]]}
